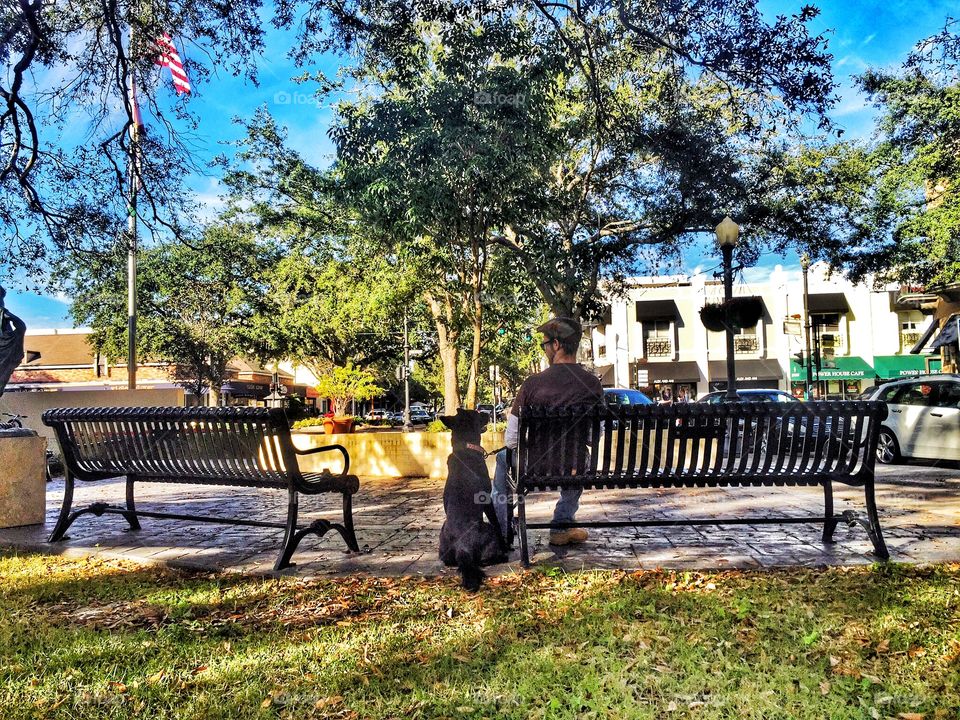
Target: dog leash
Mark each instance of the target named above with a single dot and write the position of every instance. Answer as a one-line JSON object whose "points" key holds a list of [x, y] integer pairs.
{"points": [[477, 448]]}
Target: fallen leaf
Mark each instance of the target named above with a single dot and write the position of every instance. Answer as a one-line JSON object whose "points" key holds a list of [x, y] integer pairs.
{"points": [[117, 687], [328, 701], [156, 677], [824, 688], [911, 716], [199, 669], [267, 703], [882, 646]]}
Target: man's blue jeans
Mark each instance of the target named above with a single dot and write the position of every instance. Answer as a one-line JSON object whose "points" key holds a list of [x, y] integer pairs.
{"points": [[503, 488]]}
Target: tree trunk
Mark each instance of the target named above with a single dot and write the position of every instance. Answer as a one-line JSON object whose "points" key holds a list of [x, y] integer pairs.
{"points": [[471, 397], [449, 354]]}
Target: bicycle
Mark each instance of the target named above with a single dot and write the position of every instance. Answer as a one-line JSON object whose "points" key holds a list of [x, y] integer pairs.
{"points": [[15, 421]]}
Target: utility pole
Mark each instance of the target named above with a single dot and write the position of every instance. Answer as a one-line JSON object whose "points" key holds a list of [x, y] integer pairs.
{"points": [[805, 266], [407, 425], [134, 165]]}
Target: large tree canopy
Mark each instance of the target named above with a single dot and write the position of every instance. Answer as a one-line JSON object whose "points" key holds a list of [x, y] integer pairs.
{"points": [[903, 216], [65, 110], [66, 115]]}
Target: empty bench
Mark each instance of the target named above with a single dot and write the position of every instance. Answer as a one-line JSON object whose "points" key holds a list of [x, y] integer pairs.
{"points": [[698, 446], [230, 446]]}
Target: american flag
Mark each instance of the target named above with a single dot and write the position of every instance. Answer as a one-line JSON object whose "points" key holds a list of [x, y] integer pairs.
{"points": [[169, 57]]}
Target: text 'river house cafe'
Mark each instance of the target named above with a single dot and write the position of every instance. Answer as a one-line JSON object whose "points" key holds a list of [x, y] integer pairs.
{"points": [[653, 337]]}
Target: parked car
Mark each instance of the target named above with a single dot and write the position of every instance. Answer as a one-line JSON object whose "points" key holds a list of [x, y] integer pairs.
{"points": [[419, 417], [923, 419], [625, 396], [761, 396], [377, 416]]}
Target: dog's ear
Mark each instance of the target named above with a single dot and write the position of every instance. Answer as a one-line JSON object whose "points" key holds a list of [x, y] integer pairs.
{"points": [[449, 420]]}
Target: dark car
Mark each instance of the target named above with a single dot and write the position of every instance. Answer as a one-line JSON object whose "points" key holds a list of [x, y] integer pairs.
{"points": [[773, 434], [758, 396]]}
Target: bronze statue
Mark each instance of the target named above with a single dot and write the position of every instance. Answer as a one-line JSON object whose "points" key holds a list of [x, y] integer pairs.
{"points": [[12, 330]]}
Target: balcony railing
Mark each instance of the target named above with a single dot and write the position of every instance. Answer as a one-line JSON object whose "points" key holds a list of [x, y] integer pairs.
{"points": [[908, 340], [658, 347], [746, 344]]}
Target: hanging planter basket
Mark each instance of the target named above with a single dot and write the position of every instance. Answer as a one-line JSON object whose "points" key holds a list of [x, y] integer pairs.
{"points": [[713, 316], [744, 312]]}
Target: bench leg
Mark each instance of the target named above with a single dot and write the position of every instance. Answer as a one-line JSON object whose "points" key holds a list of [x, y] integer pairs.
{"points": [[131, 513], [873, 526], [348, 534], [65, 518], [290, 535], [524, 547], [830, 522]]}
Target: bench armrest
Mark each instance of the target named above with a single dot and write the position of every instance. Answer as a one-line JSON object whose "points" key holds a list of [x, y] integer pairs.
{"points": [[341, 448]]}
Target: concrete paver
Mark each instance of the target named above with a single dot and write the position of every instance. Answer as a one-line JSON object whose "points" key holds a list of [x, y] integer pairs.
{"points": [[398, 522]]}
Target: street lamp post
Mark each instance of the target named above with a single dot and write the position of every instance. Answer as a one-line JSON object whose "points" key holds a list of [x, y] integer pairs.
{"points": [[728, 232], [407, 424], [805, 266]]}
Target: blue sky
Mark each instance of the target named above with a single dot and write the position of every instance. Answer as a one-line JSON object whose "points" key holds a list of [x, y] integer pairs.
{"points": [[861, 34]]}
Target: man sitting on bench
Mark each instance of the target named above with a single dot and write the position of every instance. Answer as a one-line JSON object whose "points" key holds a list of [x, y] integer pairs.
{"points": [[564, 383]]}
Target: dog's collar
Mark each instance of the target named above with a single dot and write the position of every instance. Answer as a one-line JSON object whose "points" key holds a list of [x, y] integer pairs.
{"points": [[471, 446]]}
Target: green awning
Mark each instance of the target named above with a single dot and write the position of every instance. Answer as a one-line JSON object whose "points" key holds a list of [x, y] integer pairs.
{"points": [[844, 368], [897, 366]]}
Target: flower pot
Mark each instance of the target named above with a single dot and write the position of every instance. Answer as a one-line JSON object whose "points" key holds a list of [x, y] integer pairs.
{"points": [[713, 317], [338, 425]]}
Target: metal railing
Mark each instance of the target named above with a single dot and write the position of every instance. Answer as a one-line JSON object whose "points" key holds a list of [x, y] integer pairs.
{"points": [[908, 340], [658, 347]]}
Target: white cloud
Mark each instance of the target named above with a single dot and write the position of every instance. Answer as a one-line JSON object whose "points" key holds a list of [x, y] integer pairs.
{"points": [[868, 39]]}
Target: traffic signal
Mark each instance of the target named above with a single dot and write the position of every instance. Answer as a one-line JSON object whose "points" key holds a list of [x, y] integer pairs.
{"points": [[799, 357], [816, 360]]}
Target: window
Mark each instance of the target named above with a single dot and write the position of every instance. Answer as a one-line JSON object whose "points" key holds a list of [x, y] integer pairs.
{"points": [[826, 326], [746, 341], [886, 395], [909, 334], [914, 394], [948, 394], [658, 338]]}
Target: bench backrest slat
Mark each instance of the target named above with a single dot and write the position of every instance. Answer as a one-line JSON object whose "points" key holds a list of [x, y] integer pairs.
{"points": [[205, 444]]}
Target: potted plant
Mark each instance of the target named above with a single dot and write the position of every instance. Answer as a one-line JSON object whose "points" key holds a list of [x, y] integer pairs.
{"points": [[743, 312], [341, 385], [713, 316]]}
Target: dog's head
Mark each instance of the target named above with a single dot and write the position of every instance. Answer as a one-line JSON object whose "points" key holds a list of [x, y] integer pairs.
{"points": [[465, 422]]}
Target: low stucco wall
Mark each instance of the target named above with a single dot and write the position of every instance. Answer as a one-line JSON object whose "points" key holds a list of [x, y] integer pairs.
{"points": [[32, 404], [388, 454]]}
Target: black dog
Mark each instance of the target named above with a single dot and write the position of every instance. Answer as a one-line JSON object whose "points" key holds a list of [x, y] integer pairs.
{"points": [[465, 539]]}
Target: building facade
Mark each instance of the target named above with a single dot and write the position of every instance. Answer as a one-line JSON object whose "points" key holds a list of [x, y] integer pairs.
{"points": [[652, 338], [64, 360]]}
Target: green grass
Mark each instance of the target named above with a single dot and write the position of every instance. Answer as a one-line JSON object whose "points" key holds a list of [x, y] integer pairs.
{"points": [[87, 638]]}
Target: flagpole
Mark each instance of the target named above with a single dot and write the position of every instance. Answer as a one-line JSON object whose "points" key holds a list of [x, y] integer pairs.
{"points": [[132, 230]]}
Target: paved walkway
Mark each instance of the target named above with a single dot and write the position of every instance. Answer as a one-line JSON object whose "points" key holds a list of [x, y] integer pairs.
{"points": [[398, 522]]}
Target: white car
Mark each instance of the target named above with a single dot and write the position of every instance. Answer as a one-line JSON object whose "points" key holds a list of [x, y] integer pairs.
{"points": [[923, 419]]}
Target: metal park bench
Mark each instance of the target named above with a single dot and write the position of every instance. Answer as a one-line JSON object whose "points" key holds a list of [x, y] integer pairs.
{"points": [[240, 447], [700, 445]]}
